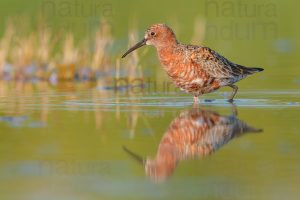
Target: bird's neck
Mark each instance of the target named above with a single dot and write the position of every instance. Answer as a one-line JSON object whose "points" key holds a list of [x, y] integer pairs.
{"points": [[167, 54]]}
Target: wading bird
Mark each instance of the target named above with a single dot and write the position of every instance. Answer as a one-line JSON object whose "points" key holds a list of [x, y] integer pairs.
{"points": [[194, 69]]}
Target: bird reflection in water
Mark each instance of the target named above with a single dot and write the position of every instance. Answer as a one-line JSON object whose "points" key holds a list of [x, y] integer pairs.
{"points": [[194, 134]]}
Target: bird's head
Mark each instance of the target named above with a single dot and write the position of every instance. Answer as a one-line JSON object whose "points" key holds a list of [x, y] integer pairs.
{"points": [[158, 35]]}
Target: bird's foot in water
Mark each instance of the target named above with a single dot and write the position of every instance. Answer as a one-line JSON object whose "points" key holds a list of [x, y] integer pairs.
{"points": [[230, 101]]}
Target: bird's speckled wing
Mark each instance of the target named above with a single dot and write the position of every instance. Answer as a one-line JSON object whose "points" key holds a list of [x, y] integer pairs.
{"points": [[214, 64]]}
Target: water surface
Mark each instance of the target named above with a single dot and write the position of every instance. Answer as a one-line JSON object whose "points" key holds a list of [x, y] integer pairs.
{"points": [[69, 144]]}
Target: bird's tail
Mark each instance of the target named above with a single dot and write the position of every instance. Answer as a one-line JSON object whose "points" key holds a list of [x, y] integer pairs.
{"points": [[249, 70], [252, 70], [253, 129]]}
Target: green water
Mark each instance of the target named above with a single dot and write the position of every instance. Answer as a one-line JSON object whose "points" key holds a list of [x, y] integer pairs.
{"points": [[68, 145], [66, 141]]}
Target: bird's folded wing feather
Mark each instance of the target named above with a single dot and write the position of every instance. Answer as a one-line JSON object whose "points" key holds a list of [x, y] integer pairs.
{"points": [[214, 64]]}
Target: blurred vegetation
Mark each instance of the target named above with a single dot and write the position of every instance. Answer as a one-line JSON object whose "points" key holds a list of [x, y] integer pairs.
{"points": [[84, 39]]}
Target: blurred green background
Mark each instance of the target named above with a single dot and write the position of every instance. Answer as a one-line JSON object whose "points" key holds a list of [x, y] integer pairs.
{"points": [[254, 33], [64, 140]]}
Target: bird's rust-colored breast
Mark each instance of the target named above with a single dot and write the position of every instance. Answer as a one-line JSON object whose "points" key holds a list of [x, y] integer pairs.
{"points": [[188, 75]]}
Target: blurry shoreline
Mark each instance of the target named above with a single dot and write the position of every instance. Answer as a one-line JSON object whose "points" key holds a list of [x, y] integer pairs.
{"points": [[32, 52], [41, 54]]}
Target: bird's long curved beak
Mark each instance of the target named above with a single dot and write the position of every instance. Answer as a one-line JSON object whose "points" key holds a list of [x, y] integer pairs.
{"points": [[138, 45]]}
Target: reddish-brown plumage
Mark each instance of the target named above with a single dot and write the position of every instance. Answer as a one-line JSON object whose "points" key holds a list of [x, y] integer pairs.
{"points": [[194, 69]]}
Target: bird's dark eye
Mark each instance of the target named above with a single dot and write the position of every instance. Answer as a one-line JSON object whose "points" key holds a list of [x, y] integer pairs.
{"points": [[152, 33]]}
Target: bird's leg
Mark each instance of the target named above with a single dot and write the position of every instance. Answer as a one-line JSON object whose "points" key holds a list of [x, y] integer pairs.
{"points": [[196, 101], [235, 89], [234, 109]]}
